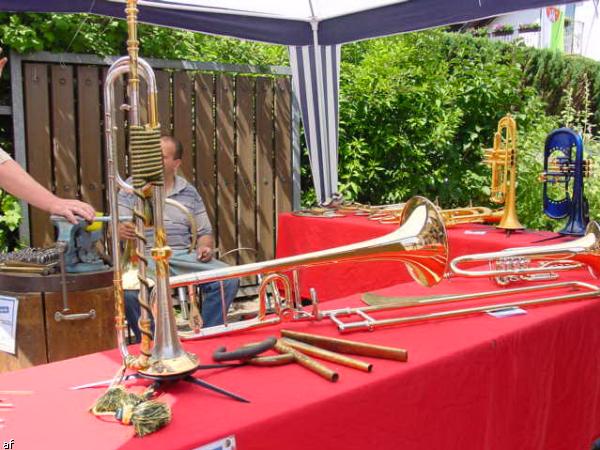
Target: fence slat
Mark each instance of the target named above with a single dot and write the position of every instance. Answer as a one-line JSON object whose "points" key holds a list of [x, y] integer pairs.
{"points": [[90, 133], [205, 150], [39, 148], [182, 121], [226, 214], [246, 177], [283, 145], [63, 131], [163, 84], [264, 167]]}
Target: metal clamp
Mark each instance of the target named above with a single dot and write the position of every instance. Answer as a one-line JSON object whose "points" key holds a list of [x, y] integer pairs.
{"points": [[58, 316]]}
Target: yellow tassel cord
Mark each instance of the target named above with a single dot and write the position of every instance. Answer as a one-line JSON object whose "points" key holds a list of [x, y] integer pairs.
{"points": [[146, 416]]}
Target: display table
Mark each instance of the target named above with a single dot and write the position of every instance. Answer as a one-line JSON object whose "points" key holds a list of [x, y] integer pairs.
{"points": [[522, 382], [297, 235], [40, 337]]}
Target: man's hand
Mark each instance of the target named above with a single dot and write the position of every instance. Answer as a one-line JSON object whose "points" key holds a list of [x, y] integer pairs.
{"points": [[69, 209], [126, 230], [204, 253]]}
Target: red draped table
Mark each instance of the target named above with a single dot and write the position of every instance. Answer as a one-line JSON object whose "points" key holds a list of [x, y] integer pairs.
{"points": [[523, 382]]}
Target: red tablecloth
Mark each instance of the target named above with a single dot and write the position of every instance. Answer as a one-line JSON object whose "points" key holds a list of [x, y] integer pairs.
{"points": [[526, 382], [297, 235]]}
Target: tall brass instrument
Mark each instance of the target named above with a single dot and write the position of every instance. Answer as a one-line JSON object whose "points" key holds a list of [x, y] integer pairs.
{"points": [[566, 167], [420, 243], [515, 263], [163, 356], [502, 159]]}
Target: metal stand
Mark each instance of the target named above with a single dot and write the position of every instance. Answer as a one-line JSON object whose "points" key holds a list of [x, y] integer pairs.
{"points": [[186, 376]]}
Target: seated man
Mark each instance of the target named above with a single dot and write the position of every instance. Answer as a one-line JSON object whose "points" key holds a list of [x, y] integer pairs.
{"points": [[179, 238]]}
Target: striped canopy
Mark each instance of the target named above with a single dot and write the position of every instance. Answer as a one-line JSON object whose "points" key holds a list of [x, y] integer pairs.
{"points": [[313, 29]]}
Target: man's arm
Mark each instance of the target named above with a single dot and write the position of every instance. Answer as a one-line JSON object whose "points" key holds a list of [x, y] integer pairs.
{"points": [[20, 184]]}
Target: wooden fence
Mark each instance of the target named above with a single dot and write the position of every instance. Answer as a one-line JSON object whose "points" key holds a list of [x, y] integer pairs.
{"points": [[239, 132]]}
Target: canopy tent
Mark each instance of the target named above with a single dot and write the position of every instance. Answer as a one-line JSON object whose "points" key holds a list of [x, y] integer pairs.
{"points": [[314, 31]]}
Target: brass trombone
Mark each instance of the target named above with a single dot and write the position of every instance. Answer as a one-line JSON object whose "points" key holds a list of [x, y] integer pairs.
{"points": [[452, 217], [420, 243], [367, 322]]}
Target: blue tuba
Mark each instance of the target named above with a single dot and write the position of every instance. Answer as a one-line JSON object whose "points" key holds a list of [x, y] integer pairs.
{"points": [[564, 164]]}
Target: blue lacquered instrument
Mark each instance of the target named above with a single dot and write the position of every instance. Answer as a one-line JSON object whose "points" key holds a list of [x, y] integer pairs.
{"points": [[564, 164]]}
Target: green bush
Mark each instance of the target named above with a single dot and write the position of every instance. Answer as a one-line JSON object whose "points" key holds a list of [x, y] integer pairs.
{"points": [[416, 111]]}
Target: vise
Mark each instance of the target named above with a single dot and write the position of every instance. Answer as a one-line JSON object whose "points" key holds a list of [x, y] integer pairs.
{"points": [[79, 241]]}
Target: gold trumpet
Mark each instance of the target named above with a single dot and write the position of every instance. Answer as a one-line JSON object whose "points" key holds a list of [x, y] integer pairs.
{"points": [[502, 159], [420, 243], [515, 263]]}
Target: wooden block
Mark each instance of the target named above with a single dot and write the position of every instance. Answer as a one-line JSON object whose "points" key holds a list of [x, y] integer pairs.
{"points": [[67, 339], [31, 340]]}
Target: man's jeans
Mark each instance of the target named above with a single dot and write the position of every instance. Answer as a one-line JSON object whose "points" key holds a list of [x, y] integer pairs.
{"points": [[180, 263]]}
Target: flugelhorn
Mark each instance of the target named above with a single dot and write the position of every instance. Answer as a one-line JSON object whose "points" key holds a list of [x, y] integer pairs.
{"points": [[420, 243], [502, 159], [564, 164], [164, 357], [553, 258]]}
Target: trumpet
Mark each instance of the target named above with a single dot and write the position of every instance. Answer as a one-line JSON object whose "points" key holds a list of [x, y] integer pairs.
{"points": [[502, 159], [516, 262], [420, 243]]}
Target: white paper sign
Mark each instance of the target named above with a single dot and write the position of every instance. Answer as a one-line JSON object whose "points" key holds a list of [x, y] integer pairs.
{"points": [[506, 312], [477, 232], [227, 443], [8, 323]]}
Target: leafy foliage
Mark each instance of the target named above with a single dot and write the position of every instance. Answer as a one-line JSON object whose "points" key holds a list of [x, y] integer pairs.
{"points": [[10, 218], [84, 33]]}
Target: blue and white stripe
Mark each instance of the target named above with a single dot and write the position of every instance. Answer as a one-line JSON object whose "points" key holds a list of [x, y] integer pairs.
{"points": [[315, 74]]}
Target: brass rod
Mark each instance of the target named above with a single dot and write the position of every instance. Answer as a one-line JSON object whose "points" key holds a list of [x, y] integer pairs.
{"points": [[371, 324], [308, 362], [346, 346], [328, 355]]}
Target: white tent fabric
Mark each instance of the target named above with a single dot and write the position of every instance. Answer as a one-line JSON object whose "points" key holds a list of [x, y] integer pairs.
{"points": [[312, 28]]}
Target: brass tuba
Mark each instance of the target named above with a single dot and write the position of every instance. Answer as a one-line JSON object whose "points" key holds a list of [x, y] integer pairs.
{"points": [[166, 357], [420, 243], [502, 159]]}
